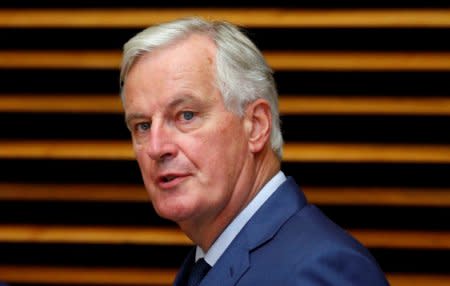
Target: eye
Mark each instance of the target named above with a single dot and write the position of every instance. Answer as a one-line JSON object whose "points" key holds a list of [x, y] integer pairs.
{"points": [[187, 115], [142, 127]]}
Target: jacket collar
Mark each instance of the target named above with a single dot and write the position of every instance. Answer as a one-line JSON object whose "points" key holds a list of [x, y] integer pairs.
{"points": [[262, 227]]}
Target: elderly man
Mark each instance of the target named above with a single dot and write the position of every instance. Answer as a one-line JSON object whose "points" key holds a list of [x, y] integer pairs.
{"points": [[201, 104]]}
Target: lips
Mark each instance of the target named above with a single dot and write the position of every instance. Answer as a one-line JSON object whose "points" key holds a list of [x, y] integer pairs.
{"points": [[170, 180], [166, 179]]}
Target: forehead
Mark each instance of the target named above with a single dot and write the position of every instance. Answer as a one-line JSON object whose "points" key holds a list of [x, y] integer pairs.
{"points": [[187, 64], [194, 53]]}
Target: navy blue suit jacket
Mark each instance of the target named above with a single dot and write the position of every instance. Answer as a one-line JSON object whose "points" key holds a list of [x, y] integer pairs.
{"points": [[289, 242]]}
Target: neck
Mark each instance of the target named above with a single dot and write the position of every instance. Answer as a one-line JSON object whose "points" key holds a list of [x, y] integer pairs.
{"points": [[263, 168]]}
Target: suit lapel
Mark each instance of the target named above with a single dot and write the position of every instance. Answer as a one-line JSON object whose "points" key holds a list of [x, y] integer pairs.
{"points": [[262, 227], [230, 267]]}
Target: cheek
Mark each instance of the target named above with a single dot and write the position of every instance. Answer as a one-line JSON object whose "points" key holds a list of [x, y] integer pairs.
{"points": [[222, 149]]}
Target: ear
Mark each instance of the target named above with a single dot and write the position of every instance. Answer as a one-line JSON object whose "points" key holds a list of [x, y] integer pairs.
{"points": [[258, 124]]}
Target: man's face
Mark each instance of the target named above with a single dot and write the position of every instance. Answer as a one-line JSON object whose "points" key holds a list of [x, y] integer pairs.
{"points": [[193, 153]]}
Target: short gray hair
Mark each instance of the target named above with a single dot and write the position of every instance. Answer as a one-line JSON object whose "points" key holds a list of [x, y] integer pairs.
{"points": [[242, 72]]}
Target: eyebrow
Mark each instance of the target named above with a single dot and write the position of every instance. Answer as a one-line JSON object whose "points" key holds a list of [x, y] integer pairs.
{"points": [[178, 100], [182, 99], [133, 116]]}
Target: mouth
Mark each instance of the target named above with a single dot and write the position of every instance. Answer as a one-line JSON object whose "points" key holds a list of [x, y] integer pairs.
{"points": [[168, 178], [168, 181]]}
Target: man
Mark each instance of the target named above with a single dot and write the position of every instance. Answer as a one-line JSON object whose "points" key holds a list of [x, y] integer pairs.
{"points": [[201, 105]]}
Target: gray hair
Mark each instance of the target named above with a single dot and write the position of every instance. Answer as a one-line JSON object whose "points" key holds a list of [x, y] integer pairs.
{"points": [[242, 72]]}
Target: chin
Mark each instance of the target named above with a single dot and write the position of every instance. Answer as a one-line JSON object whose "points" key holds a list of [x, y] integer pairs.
{"points": [[174, 212]]}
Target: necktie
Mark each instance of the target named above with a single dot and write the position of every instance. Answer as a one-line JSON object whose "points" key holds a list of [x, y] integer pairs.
{"points": [[199, 270]]}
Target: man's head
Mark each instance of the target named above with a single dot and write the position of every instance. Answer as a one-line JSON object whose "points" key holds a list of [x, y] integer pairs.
{"points": [[242, 74], [202, 144]]}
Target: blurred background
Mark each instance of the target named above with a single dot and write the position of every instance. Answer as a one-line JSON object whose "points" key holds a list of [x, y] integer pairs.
{"points": [[365, 103]]}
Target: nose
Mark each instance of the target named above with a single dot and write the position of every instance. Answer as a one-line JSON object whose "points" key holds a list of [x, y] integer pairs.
{"points": [[161, 146]]}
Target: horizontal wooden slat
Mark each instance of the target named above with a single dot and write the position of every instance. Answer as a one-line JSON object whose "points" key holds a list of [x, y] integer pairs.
{"points": [[378, 196], [380, 105], [279, 60], [254, 17], [292, 152], [86, 275], [288, 104], [345, 61], [89, 150], [92, 234], [323, 152], [418, 280], [61, 59], [59, 103], [151, 277], [136, 193], [403, 239], [73, 192]]}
